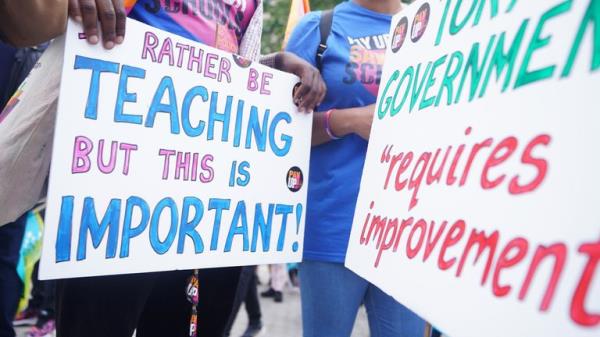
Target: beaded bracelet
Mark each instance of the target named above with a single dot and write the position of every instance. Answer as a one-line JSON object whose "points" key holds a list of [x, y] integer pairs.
{"points": [[328, 125]]}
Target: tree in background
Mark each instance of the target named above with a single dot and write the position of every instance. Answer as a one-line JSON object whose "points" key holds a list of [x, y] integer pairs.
{"points": [[276, 14]]}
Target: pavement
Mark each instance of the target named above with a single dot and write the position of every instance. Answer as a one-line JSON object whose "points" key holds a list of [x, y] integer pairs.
{"points": [[284, 319]]}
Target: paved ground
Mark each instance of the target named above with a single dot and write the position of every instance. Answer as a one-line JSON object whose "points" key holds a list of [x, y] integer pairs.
{"points": [[284, 319], [280, 319]]}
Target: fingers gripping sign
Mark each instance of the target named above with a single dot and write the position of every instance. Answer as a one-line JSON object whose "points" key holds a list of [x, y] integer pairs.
{"points": [[109, 15]]}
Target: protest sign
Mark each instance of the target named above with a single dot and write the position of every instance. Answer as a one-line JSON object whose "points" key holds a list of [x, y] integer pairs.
{"points": [[169, 154], [479, 197]]}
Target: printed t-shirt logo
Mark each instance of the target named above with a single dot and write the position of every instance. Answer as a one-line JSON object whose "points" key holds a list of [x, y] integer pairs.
{"points": [[365, 61], [219, 23]]}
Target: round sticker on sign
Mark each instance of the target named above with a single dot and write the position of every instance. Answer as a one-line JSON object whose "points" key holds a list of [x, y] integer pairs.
{"points": [[294, 179], [399, 34], [420, 23]]}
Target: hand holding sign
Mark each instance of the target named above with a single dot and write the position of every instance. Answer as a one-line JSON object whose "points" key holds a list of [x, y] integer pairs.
{"points": [[108, 14]]}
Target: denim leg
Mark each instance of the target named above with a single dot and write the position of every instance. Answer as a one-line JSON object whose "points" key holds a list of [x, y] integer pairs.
{"points": [[388, 318], [331, 296]]}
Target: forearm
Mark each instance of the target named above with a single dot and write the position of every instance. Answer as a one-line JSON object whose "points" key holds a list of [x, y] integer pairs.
{"points": [[340, 125], [45, 19], [272, 60]]}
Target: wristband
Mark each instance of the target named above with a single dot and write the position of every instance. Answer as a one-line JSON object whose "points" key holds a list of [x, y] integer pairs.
{"points": [[328, 125]]}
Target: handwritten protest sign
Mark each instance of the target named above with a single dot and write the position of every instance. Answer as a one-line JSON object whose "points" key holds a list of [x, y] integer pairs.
{"points": [[169, 154], [478, 206]]}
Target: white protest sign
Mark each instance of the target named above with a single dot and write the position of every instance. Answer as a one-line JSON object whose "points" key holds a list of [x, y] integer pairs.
{"points": [[169, 154], [478, 206]]}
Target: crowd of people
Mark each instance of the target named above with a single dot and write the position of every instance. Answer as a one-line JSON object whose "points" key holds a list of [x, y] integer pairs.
{"points": [[339, 84]]}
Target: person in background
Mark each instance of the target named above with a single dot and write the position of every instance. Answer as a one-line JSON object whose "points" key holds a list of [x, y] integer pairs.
{"points": [[252, 304], [351, 67], [277, 280], [155, 304], [24, 24], [15, 64], [43, 300]]}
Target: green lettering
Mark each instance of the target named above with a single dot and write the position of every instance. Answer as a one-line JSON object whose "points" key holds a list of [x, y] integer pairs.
{"points": [[416, 91], [525, 75], [438, 39], [592, 15], [511, 6], [456, 28], [408, 73], [428, 101], [501, 59], [475, 68], [480, 11], [449, 77], [381, 113]]}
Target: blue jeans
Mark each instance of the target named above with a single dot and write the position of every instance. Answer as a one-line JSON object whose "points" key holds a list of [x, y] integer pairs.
{"points": [[331, 295]]}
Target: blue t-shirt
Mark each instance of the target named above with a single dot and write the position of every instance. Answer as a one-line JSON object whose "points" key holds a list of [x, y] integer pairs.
{"points": [[351, 69]]}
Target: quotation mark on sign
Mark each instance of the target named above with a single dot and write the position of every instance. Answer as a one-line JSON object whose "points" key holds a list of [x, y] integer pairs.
{"points": [[385, 155]]}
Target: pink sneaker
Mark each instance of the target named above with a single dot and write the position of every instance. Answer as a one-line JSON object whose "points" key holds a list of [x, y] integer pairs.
{"points": [[45, 331]]}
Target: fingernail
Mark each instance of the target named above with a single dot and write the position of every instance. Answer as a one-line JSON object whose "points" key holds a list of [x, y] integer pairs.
{"points": [[93, 39], [119, 39], [78, 18], [109, 44]]}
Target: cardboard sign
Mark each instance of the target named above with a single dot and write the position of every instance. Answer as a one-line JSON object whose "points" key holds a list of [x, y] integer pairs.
{"points": [[478, 206], [169, 154]]}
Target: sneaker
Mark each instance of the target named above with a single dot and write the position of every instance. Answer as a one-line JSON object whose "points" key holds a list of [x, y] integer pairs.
{"points": [[45, 330], [26, 317], [269, 293], [253, 330], [278, 297]]}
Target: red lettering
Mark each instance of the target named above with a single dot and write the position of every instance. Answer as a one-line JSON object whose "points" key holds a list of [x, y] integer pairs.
{"points": [[386, 243], [430, 244], [363, 239], [476, 148], [578, 312], [415, 183], [540, 164], [431, 178], [395, 160], [405, 223], [506, 148], [559, 252], [505, 261], [403, 166], [410, 251], [451, 178], [490, 242], [454, 235]]}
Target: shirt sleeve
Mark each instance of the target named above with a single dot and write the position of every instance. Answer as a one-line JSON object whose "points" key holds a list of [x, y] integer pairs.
{"points": [[306, 37]]}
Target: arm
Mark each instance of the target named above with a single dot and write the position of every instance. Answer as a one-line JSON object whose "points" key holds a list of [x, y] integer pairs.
{"points": [[31, 22], [312, 88], [343, 122]]}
